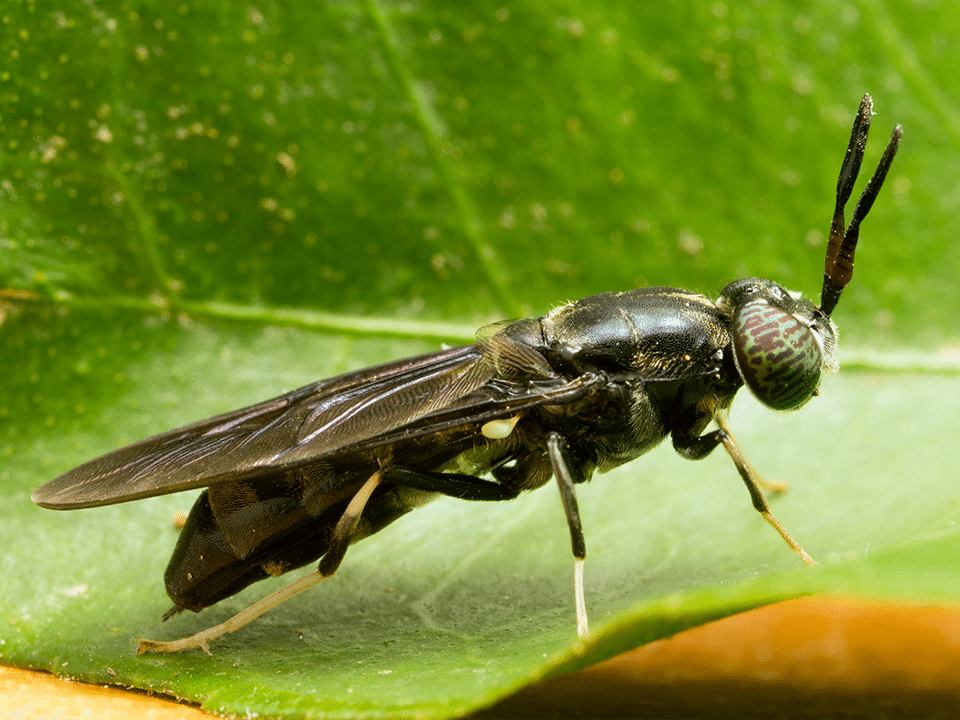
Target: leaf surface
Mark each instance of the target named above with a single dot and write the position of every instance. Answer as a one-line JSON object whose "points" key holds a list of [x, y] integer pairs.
{"points": [[205, 205]]}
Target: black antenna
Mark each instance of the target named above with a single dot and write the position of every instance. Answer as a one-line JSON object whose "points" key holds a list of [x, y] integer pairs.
{"points": [[838, 267]]}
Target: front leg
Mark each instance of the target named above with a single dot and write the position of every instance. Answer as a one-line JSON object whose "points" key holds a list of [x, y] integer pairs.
{"points": [[696, 447]]}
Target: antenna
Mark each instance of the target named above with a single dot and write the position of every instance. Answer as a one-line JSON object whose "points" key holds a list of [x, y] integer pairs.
{"points": [[838, 267]]}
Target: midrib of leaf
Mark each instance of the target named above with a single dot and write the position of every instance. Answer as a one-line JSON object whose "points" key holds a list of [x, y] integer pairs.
{"points": [[899, 361], [855, 359], [301, 318]]}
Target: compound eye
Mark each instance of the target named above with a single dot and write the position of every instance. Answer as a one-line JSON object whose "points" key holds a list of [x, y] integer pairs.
{"points": [[778, 355]]}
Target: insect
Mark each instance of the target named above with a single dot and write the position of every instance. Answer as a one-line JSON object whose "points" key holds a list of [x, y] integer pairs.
{"points": [[591, 385]]}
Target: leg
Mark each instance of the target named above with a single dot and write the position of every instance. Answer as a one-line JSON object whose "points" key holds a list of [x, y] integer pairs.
{"points": [[464, 487], [697, 447], [339, 542], [561, 470], [753, 483]]}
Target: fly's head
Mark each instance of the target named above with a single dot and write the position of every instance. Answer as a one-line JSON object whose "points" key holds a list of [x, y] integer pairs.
{"points": [[784, 344]]}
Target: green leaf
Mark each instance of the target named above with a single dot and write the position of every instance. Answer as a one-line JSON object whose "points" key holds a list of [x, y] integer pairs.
{"points": [[206, 205]]}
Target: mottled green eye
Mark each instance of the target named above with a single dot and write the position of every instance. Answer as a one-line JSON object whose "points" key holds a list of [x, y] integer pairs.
{"points": [[777, 354]]}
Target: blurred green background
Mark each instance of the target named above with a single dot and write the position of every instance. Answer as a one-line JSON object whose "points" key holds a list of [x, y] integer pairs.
{"points": [[467, 161], [205, 204]]}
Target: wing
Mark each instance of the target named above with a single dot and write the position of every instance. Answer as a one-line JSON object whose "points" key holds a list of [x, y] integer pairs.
{"points": [[368, 408], [273, 434]]}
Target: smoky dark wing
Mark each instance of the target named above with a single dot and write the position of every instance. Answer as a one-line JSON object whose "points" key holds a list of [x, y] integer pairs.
{"points": [[496, 399], [303, 425], [378, 407]]}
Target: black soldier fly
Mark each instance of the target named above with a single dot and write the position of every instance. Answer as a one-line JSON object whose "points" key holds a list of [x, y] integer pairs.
{"points": [[591, 385]]}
